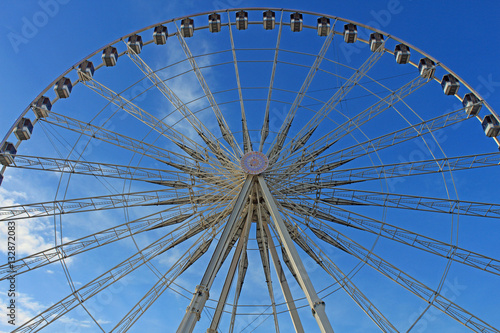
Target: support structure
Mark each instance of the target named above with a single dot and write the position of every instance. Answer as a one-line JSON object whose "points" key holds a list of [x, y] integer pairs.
{"points": [[202, 290], [242, 244], [285, 288], [316, 304]]}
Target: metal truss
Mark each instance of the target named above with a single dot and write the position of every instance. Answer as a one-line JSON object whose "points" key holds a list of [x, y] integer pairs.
{"points": [[206, 201], [224, 127]]}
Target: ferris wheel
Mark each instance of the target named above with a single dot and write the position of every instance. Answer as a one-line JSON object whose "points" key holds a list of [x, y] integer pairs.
{"points": [[257, 169]]}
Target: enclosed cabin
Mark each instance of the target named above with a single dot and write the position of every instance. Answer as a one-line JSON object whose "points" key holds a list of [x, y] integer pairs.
{"points": [[427, 68], [350, 33], [86, 70], [471, 104], [7, 153], [109, 56], [42, 107], [23, 129], [160, 35], [187, 27], [214, 22], [268, 19], [450, 84], [296, 22], [63, 87], [135, 43], [402, 54], [323, 26], [376, 42], [491, 126], [241, 20]]}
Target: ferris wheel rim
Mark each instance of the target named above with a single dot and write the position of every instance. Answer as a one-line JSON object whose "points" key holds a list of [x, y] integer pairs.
{"points": [[122, 39], [439, 63]]}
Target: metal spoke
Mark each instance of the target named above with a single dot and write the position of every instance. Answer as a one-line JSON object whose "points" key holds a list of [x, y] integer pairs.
{"points": [[125, 172], [408, 282], [348, 126], [113, 275], [316, 304], [226, 132], [278, 142], [173, 215], [113, 201], [345, 217], [149, 120], [201, 294], [414, 168], [339, 196], [183, 263], [265, 126], [337, 158], [306, 131], [136, 146], [247, 142], [203, 132], [153, 221]]}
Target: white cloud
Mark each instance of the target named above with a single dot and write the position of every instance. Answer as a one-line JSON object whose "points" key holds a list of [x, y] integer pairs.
{"points": [[31, 235], [187, 87]]}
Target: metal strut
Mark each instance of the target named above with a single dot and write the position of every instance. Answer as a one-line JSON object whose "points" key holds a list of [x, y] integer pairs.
{"points": [[316, 304], [242, 244], [200, 296]]}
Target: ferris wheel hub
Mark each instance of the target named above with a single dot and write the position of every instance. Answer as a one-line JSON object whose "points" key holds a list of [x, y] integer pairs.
{"points": [[254, 162]]}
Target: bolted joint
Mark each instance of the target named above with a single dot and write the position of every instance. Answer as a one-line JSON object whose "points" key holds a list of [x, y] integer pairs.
{"points": [[197, 303], [317, 304], [201, 290]]}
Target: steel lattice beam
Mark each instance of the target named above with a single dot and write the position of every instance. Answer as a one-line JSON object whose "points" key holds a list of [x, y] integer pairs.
{"points": [[278, 142], [350, 125], [87, 204], [265, 126], [201, 295], [336, 195], [334, 271], [111, 276], [408, 282], [203, 132], [149, 120], [224, 127], [90, 242], [183, 263], [316, 304], [136, 146], [342, 216]]}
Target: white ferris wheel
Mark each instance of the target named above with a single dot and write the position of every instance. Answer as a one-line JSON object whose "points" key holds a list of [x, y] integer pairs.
{"points": [[261, 165]]}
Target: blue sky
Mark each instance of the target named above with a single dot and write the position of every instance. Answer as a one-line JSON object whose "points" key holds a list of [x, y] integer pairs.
{"points": [[41, 39]]}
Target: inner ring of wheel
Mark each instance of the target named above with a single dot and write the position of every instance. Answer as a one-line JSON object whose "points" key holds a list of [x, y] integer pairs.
{"points": [[254, 162]]}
